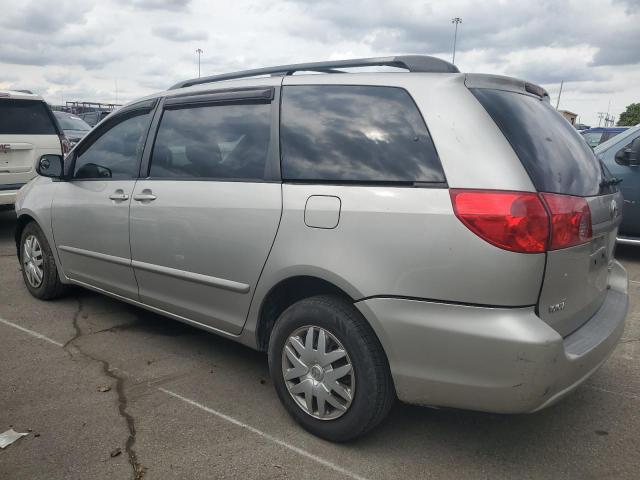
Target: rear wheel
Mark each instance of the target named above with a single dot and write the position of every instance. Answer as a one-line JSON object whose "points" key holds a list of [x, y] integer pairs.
{"points": [[39, 269], [329, 368]]}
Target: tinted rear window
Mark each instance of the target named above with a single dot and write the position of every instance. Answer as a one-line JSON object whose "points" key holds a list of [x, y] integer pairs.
{"points": [[25, 117], [351, 133], [556, 158]]}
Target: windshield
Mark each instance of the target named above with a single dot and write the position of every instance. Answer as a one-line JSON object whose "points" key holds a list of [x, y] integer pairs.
{"points": [[620, 138], [69, 122]]}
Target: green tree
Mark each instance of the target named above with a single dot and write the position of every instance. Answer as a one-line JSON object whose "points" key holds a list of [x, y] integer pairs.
{"points": [[631, 116]]}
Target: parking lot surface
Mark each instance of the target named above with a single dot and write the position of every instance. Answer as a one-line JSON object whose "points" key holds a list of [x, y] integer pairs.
{"points": [[111, 391]]}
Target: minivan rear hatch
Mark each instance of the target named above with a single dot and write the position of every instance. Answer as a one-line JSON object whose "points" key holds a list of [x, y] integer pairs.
{"points": [[559, 161], [27, 130]]}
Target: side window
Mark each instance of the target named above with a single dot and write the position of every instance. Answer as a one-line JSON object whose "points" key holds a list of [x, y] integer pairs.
{"points": [[593, 139], [355, 133], [114, 153], [212, 141], [608, 155]]}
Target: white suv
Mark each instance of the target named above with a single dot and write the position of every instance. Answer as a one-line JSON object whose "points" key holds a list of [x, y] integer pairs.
{"points": [[28, 130]]}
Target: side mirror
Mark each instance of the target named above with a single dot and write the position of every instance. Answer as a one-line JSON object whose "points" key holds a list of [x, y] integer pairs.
{"points": [[629, 155], [50, 166]]}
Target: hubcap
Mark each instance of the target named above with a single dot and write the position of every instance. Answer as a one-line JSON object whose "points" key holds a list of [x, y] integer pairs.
{"points": [[32, 261], [318, 373]]}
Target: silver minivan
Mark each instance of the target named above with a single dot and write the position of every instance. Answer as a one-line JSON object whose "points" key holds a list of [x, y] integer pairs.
{"points": [[438, 237]]}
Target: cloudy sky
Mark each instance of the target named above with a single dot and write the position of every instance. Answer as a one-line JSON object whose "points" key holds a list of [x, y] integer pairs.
{"points": [[80, 50]]}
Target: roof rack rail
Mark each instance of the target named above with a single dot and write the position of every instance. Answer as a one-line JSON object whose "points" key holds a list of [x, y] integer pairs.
{"points": [[413, 63]]}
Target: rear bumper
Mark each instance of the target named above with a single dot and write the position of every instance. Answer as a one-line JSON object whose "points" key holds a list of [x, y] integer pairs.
{"points": [[8, 197], [504, 360]]}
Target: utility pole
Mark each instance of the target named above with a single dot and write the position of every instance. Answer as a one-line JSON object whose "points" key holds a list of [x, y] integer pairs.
{"points": [[601, 116], [559, 94], [199, 52], [456, 21]]}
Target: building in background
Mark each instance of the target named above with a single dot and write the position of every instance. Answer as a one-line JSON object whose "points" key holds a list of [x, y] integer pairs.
{"points": [[570, 116]]}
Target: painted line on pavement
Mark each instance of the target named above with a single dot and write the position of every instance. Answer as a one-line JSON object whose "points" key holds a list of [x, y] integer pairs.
{"points": [[31, 332], [273, 439], [218, 414]]}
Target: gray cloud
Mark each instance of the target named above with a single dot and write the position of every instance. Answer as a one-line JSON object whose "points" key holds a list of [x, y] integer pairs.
{"points": [[45, 16], [39, 53], [632, 6], [622, 48], [177, 34], [171, 5], [403, 27], [590, 44]]}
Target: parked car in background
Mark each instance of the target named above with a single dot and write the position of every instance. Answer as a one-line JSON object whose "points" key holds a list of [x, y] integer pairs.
{"points": [[621, 155], [28, 130], [74, 127], [581, 126], [338, 222], [595, 136], [95, 117]]}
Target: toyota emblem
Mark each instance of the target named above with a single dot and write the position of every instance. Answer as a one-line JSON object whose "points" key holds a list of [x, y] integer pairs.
{"points": [[613, 209]]}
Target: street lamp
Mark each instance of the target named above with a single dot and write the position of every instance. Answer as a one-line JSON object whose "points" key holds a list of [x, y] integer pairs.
{"points": [[199, 51], [455, 21]]}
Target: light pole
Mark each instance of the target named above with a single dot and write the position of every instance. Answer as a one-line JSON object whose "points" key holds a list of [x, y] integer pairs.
{"points": [[455, 21], [199, 51]]}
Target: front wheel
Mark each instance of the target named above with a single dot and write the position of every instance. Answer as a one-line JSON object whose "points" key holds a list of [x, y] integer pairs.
{"points": [[329, 368], [39, 269]]}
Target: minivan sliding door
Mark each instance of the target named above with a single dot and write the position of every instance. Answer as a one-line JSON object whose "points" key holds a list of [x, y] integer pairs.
{"points": [[204, 218]]}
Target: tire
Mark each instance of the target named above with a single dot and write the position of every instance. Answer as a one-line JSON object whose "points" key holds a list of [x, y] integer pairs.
{"points": [[49, 286], [369, 382]]}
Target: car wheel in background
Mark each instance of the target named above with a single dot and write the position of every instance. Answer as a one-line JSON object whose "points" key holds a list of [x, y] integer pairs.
{"points": [[39, 269]]}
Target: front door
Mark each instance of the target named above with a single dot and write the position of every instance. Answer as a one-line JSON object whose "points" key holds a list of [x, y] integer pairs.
{"points": [[630, 185], [204, 220], [91, 210]]}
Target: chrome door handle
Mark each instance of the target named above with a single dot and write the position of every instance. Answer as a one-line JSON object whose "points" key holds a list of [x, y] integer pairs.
{"points": [[144, 196], [119, 195]]}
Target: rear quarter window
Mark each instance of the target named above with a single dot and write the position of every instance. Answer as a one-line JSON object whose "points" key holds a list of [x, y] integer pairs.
{"points": [[351, 133], [25, 117], [550, 149]]}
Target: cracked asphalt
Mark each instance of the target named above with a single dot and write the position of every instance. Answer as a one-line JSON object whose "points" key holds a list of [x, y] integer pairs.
{"points": [[109, 391]]}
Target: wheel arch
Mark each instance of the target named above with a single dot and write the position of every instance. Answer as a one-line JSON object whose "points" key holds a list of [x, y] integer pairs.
{"points": [[25, 217], [22, 222], [284, 294]]}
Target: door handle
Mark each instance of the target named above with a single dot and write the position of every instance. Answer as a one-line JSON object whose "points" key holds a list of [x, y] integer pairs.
{"points": [[145, 196], [119, 195]]}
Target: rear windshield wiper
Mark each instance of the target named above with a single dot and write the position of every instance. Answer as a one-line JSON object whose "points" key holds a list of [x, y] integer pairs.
{"points": [[610, 182]]}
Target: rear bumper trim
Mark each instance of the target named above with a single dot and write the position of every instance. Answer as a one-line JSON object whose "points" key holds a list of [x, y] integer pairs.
{"points": [[628, 241], [11, 186]]}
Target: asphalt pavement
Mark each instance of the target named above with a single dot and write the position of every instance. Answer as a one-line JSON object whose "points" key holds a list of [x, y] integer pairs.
{"points": [[110, 391]]}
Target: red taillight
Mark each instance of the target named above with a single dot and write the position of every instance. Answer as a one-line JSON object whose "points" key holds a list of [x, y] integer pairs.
{"points": [[64, 144], [570, 220], [515, 221], [522, 221]]}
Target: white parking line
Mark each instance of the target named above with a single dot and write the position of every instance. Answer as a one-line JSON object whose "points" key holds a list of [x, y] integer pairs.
{"points": [[273, 439], [31, 332], [218, 414]]}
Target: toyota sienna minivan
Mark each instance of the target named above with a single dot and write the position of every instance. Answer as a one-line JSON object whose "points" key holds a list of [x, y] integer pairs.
{"points": [[442, 238]]}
